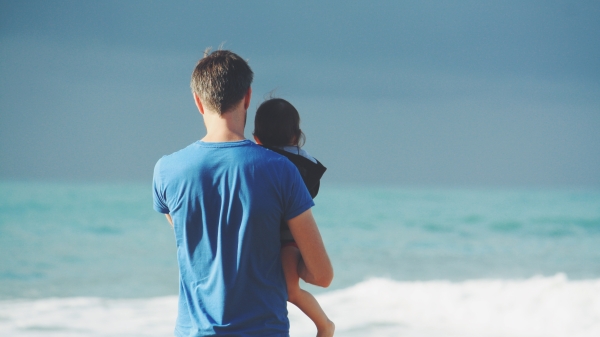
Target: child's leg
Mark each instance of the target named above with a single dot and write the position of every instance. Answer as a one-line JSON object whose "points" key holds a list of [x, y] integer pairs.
{"points": [[290, 256]]}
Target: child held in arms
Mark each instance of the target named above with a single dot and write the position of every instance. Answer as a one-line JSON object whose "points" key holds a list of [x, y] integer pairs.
{"points": [[277, 127]]}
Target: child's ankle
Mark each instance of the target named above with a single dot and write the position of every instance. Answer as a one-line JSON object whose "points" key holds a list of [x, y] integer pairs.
{"points": [[326, 329]]}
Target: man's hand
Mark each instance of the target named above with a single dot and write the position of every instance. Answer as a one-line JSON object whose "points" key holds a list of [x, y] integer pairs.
{"points": [[169, 219], [315, 266]]}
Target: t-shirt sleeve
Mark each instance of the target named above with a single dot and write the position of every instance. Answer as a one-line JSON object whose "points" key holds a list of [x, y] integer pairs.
{"points": [[297, 199], [158, 195]]}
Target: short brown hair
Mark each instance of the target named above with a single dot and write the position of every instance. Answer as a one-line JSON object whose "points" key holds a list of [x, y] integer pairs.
{"points": [[221, 79]]}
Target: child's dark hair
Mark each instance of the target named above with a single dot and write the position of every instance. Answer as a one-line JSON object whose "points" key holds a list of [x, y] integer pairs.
{"points": [[277, 123]]}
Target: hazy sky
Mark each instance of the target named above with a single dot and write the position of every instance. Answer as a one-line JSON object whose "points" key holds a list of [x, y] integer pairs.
{"points": [[434, 93]]}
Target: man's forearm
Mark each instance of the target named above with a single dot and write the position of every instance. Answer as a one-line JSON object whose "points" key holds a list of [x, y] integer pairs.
{"points": [[305, 274], [315, 267], [169, 219]]}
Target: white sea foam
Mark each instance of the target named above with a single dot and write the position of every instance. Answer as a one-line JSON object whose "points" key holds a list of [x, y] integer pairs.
{"points": [[540, 306], [84, 316]]}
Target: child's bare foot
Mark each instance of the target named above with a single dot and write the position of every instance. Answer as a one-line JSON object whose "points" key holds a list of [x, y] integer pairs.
{"points": [[326, 331]]}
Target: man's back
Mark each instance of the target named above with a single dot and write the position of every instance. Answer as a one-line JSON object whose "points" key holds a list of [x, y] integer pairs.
{"points": [[226, 201]]}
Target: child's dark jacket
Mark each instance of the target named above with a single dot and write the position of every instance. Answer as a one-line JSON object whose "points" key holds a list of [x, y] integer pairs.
{"points": [[311, 172]]}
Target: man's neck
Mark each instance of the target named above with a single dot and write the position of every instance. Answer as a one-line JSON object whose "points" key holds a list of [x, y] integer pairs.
{"points": [[222, 137], [227, 127]]}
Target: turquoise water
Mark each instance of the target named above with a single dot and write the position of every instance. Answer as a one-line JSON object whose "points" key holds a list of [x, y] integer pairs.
{"points": [[461, 234], [105, 240], [75, 240], [89, 260]]}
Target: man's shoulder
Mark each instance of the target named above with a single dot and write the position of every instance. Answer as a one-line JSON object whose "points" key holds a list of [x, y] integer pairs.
{"points": [[181, 152], [242, 151], [198, 147], [180, 161]]}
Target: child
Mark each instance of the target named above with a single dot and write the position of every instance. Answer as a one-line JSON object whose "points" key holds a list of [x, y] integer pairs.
{"points": [[277, 127]]}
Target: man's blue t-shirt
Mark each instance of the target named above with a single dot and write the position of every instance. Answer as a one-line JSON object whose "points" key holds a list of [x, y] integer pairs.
{"points": [[227, 201]]}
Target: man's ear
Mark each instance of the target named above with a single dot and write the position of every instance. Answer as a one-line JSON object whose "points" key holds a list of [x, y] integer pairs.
{"points": [[198, 104], [247, 98]]}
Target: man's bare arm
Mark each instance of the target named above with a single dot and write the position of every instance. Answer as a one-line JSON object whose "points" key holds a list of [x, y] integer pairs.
{"points": [[315, 267], [169, 219]]}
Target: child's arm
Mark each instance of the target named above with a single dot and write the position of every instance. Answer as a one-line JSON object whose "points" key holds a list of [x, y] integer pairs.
{"points": [[316, 267]]}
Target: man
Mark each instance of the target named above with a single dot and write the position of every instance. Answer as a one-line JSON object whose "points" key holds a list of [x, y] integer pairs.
{"points": [[225, 197]]}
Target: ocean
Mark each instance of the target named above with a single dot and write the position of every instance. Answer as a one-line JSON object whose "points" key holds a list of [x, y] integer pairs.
{"points": [[96, 260]]}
